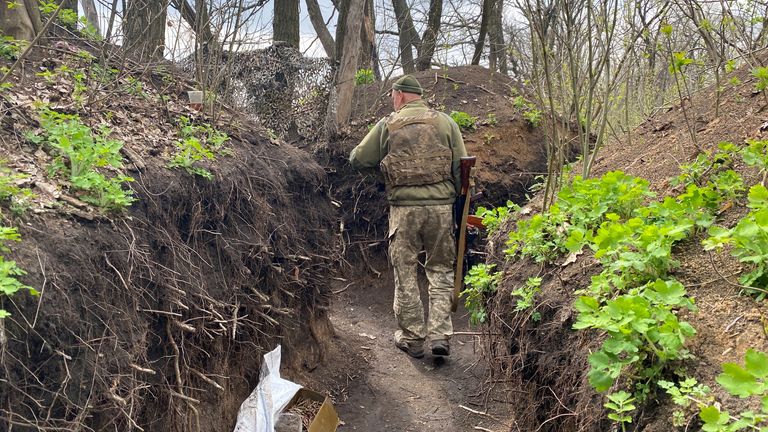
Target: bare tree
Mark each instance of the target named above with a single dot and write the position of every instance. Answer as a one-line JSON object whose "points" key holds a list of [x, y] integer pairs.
{"points": [[285, 23], [144, 27], [89, 10], [428, 41], [408, 37], [340, 106], [498, 51], [316, 17], [20, 22], [486, 13]]}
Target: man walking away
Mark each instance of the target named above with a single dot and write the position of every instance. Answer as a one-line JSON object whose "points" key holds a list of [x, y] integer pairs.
{"points": [[418, 151]]}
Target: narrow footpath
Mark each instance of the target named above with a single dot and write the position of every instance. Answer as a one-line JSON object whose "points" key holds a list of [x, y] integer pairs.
{"points": [[380, 388]]}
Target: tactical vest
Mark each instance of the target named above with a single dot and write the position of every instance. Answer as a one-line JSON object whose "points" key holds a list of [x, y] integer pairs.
{"points": [[417, 156]]}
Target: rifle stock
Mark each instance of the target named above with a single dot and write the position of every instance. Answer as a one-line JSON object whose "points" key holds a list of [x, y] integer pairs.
{"points": [[458, 278]]}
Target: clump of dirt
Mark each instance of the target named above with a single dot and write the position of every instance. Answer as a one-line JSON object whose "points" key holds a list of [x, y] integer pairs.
{"points": [[156, 317], [546, 361]]}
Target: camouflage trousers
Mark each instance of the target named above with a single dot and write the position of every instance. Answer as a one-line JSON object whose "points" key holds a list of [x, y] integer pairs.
{"points": [[413, 229]]}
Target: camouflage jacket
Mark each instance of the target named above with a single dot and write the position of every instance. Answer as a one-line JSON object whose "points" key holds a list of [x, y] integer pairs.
{"points": [[375, 146]]}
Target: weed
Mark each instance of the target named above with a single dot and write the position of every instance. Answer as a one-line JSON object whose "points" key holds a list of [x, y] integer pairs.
{"points": [[492, 218], [364, 76], [9, 271], [198, 143], [685, 394], [749, 240], [620, 404], [481, 281], [742, 381], [11, 48], [78, 152], [488, 138], [761, 75], [533, 117], [526, 293], [491, 120], [19, 198], [464, 120]]}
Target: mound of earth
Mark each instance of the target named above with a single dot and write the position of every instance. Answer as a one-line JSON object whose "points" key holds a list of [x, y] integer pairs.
{"points": [[154, 317], [546, 362]]}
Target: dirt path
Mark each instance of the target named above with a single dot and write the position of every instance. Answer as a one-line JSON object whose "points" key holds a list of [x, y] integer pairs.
{"points": [[380, 388]]}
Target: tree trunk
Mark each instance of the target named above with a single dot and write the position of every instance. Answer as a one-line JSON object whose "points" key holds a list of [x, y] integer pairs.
{"points": [[285, 24], [368, 55], [487, 4], [340, 107], [89, 10], [145, 28], [408, 36], [316, 17], [17, 22], [429, 39], [498, 54]]}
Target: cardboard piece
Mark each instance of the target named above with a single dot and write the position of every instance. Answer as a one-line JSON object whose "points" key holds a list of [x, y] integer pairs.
{"points": [[326, 419]]}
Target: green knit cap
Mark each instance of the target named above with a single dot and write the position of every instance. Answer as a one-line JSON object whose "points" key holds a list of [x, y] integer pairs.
{"points": [[408, 84]]}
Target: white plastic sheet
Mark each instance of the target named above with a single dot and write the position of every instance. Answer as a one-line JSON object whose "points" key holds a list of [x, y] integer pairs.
{"points": [[259, 412]]}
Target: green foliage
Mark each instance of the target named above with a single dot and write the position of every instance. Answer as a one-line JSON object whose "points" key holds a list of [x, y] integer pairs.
{"points": [[464, 120], [581, 205], [756, 154], [742, 381], [679, 62], [533, 117], [492, 218], [199, 142], [481, 282], [78, 153], [749, 241], [529, 110], [526, 293], [643, 331], [364, 76], [9, 271], [10, 48], [687, 395], [666, 29], [491, 120], [620, 404], [761, 75], [19, 198]]}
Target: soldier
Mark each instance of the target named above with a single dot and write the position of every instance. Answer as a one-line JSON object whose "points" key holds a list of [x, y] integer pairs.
{"points": [[418, 150]]}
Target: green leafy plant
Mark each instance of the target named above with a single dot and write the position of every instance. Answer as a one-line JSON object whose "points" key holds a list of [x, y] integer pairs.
{"points": [[643, 331], [749, 241], [78, 154], [620, 404], [533, 117], [199, 142], [364, 76], [19, 198], [761, 76], [756, 154], [526, 293], [491, 120], [742, 381], [481, 282], [493, 217], [688, 395], [9, 271], [11, 48], [464, 120]]}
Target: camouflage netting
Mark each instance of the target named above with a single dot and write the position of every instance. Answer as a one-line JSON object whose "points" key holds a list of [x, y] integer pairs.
{"points": [[285, 91]]}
